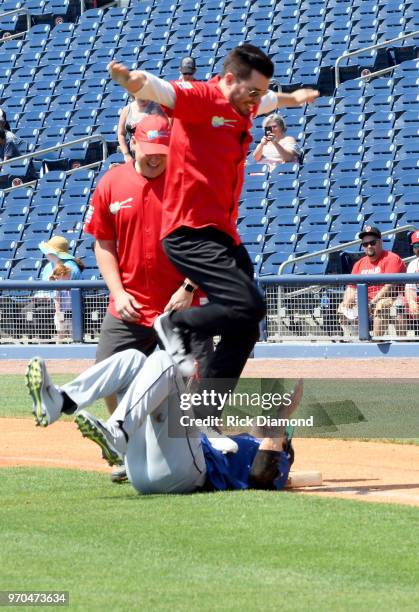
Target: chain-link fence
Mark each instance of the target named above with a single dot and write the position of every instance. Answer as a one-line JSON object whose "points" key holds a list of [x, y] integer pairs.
{"points": [[321, 311], [303, 313], [299, 309], [46, 317], [95, 305]]}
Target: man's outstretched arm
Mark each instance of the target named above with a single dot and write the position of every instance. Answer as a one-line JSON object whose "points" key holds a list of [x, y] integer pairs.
{"points": [[273, 100], [142, 84], [297, 97]]}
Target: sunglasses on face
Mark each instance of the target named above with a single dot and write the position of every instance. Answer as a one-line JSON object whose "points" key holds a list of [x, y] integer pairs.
{"points": [[256, 93], [370, 243]]}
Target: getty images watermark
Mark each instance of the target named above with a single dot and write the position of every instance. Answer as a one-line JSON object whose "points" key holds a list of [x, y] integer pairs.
{"points": [[213, 401]]}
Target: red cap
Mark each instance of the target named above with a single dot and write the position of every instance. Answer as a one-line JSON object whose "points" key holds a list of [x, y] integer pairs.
{"points": [[414, 238], [153, 132]]}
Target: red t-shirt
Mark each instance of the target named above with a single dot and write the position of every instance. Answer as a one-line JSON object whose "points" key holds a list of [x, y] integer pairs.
{"points": [[388, 262], [205, 168], [126, 207]]}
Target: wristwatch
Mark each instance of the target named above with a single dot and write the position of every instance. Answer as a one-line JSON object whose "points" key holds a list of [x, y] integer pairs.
{"points": [[188, 287]]}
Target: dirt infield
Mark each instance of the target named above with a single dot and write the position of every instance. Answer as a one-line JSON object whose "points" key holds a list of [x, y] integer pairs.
{"points": [[260, 368], [367, 471]]}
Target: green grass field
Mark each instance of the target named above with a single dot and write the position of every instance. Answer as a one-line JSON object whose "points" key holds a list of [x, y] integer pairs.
{"points": [[115, 550], [343, 409], [15, 401]]}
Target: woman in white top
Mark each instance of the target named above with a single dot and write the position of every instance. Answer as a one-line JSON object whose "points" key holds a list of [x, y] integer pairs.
{"points": [[275, 147], [128, 119]]}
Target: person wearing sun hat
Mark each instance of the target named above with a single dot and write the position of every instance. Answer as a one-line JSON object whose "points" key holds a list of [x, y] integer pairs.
{"points": [[56, 250]]}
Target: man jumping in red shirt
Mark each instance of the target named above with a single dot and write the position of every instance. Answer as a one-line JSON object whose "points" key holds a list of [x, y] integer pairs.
{"points": [[210, 140]]}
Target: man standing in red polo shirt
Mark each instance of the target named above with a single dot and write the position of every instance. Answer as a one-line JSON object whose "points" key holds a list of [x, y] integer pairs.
{"points": [[210, 140], [380, 297], [125, 218]]}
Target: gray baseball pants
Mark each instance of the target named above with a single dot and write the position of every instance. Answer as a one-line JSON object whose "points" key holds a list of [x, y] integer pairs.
{"points": [[147, 389]]}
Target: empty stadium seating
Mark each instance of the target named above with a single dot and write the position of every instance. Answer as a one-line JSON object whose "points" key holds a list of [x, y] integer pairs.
{"points": [[360, 142]]}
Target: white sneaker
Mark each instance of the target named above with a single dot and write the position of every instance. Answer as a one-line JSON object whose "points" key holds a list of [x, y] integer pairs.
{"points": [[47, 399], [222, 443], [96, 430], [174, 343]]}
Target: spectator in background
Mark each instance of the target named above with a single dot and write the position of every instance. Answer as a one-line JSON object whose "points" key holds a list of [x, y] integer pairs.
{"points": [[381, 298], [3, 121], [130, 116], [62, 266], [411, 289], [39, 315], [187, 69], [56, 250], [8, 145], [275, 147], [62, 301]]}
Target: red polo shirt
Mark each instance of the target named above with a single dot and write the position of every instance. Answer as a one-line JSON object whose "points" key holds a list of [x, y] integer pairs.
{"points": [[126, 207], [387, 263], [205, 170]]}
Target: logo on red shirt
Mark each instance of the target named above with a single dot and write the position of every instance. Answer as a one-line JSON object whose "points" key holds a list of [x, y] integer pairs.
{"points": [[115, 207], [220, 121]]}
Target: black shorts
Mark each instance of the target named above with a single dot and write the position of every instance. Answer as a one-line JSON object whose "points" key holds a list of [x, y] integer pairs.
{"points": [[117, 335]]}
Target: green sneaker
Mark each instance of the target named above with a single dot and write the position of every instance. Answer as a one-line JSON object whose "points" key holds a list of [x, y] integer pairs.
{"points": [[46, 397], [95, 430]]}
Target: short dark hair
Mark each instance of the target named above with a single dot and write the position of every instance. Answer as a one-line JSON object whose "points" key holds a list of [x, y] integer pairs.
{"points": [[245, 58], [2, 134]]}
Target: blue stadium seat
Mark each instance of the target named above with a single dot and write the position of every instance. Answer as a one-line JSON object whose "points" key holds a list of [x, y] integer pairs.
{"points": [[28, 266], [8, 57], [45, 213], [272, 262], [82, 178], [19, 196], [71, 228], [38, 230], [16, 210], [11, 230], [69, 86], [43, 87], [310, 267], [32, 119], [7, 248], [16, 89]]}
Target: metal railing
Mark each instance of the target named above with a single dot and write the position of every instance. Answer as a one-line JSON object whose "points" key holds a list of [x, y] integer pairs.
{"points": [[28, 315], [22, 11], [63, 145], [32, 182], [310, 311], [120, 3], [339, 247], [371, 48]]}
